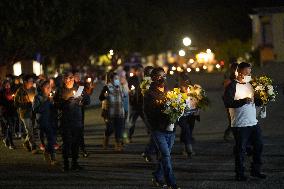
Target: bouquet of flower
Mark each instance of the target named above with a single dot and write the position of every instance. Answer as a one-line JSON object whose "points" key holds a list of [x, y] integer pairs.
{"points": [[176, 103], [145, 85], [263, 89], [198, 96]]}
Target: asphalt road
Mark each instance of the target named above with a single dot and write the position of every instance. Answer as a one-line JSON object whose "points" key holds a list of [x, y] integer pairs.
{"points": [[212, 167]]}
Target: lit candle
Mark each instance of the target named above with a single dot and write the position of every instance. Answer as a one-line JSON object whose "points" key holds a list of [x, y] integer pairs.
{"points": [[132, 87], [13, 95], [131, 74], [89, 80], [50, 94], [74, 92], [188, 90]]}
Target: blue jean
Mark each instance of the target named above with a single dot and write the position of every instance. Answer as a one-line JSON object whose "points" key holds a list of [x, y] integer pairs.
{"points": [[164, 143], [115, 125]]}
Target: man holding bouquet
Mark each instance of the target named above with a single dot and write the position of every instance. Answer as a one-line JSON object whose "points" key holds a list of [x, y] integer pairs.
{"points": [[162, 134], [239, 98]]}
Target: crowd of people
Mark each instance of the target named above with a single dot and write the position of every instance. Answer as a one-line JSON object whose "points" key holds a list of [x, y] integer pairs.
{"points": [[54, 107]]}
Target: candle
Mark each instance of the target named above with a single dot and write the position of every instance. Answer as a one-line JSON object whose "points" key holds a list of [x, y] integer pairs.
{"points": [[50, 94], [131, 74], [13, 95], [188, 90], [74, 92], [89, 80], [132, 87]]}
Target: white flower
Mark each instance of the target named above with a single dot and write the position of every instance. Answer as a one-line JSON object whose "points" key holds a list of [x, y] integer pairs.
{"points": [[260, 88]]}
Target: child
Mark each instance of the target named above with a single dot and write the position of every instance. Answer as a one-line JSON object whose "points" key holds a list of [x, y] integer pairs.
{"points": [[46, 118]]}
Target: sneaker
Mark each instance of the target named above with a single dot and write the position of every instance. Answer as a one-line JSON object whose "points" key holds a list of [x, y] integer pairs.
{"points": [[146, 157], [12, 147], [42, 147], [85, 154], [174, 187], [56, 146], [158, 183], [5, 142], [258, 175], [34, 151], [241, 178], [27, 146]]}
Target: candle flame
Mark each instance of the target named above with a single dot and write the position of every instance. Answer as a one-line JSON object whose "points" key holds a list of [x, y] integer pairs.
{"points": [[89, 80], [132, 87], [188, 90]]}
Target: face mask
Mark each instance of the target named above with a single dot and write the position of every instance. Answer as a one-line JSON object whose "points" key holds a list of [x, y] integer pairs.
{"points": [[247, 79], [116, 82]]}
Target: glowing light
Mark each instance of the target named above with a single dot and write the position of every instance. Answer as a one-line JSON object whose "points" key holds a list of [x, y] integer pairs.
{"points": [[131, 74], [109, 67], [191, 61], [132, 88], [179, 69], [74, 92], [197, 69], [188, 90], [37, 68], [208, 51], [174, 68], [17, 68], [181, 52], [186, 41], [119, 61], [172, 72], [111, 52], [204, 67], [188, 69], [218, 66], [89, 80]]}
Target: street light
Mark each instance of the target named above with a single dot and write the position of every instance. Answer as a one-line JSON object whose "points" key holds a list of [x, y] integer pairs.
{"points": [[181, 52], [186, 41]]}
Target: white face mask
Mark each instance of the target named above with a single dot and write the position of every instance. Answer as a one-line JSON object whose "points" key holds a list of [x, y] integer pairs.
{"points": [[247, 79]]}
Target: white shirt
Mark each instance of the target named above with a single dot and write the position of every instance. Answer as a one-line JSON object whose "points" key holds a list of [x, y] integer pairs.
{"points": [[244, 116]]}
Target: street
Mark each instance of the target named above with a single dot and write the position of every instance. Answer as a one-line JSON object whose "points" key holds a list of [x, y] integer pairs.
{"points": [[212, 167]]}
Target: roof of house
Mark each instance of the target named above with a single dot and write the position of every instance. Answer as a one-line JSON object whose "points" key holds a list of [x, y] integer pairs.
{"points": [[268, 10]]}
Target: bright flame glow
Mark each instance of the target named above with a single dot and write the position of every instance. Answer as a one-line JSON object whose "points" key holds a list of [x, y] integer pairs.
{"points": [[197, 69], [191, 61], [218, 66], [111, 52], [204, 67], [188, 70], [172, 72], [179, 69], [174, 68], [131, 74]]}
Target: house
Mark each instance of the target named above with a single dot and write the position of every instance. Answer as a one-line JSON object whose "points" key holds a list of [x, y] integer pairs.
{"points": [[268, 33]]}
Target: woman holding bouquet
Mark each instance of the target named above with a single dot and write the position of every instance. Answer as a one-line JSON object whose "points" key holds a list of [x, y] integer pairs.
{"points": [[187, 123], [163, 135]]}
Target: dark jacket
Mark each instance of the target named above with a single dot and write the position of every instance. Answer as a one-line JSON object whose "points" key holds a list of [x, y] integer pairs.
{"points": [[136, 98], [70, 107], [154, 103], [45, 111], [229, 95]]}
